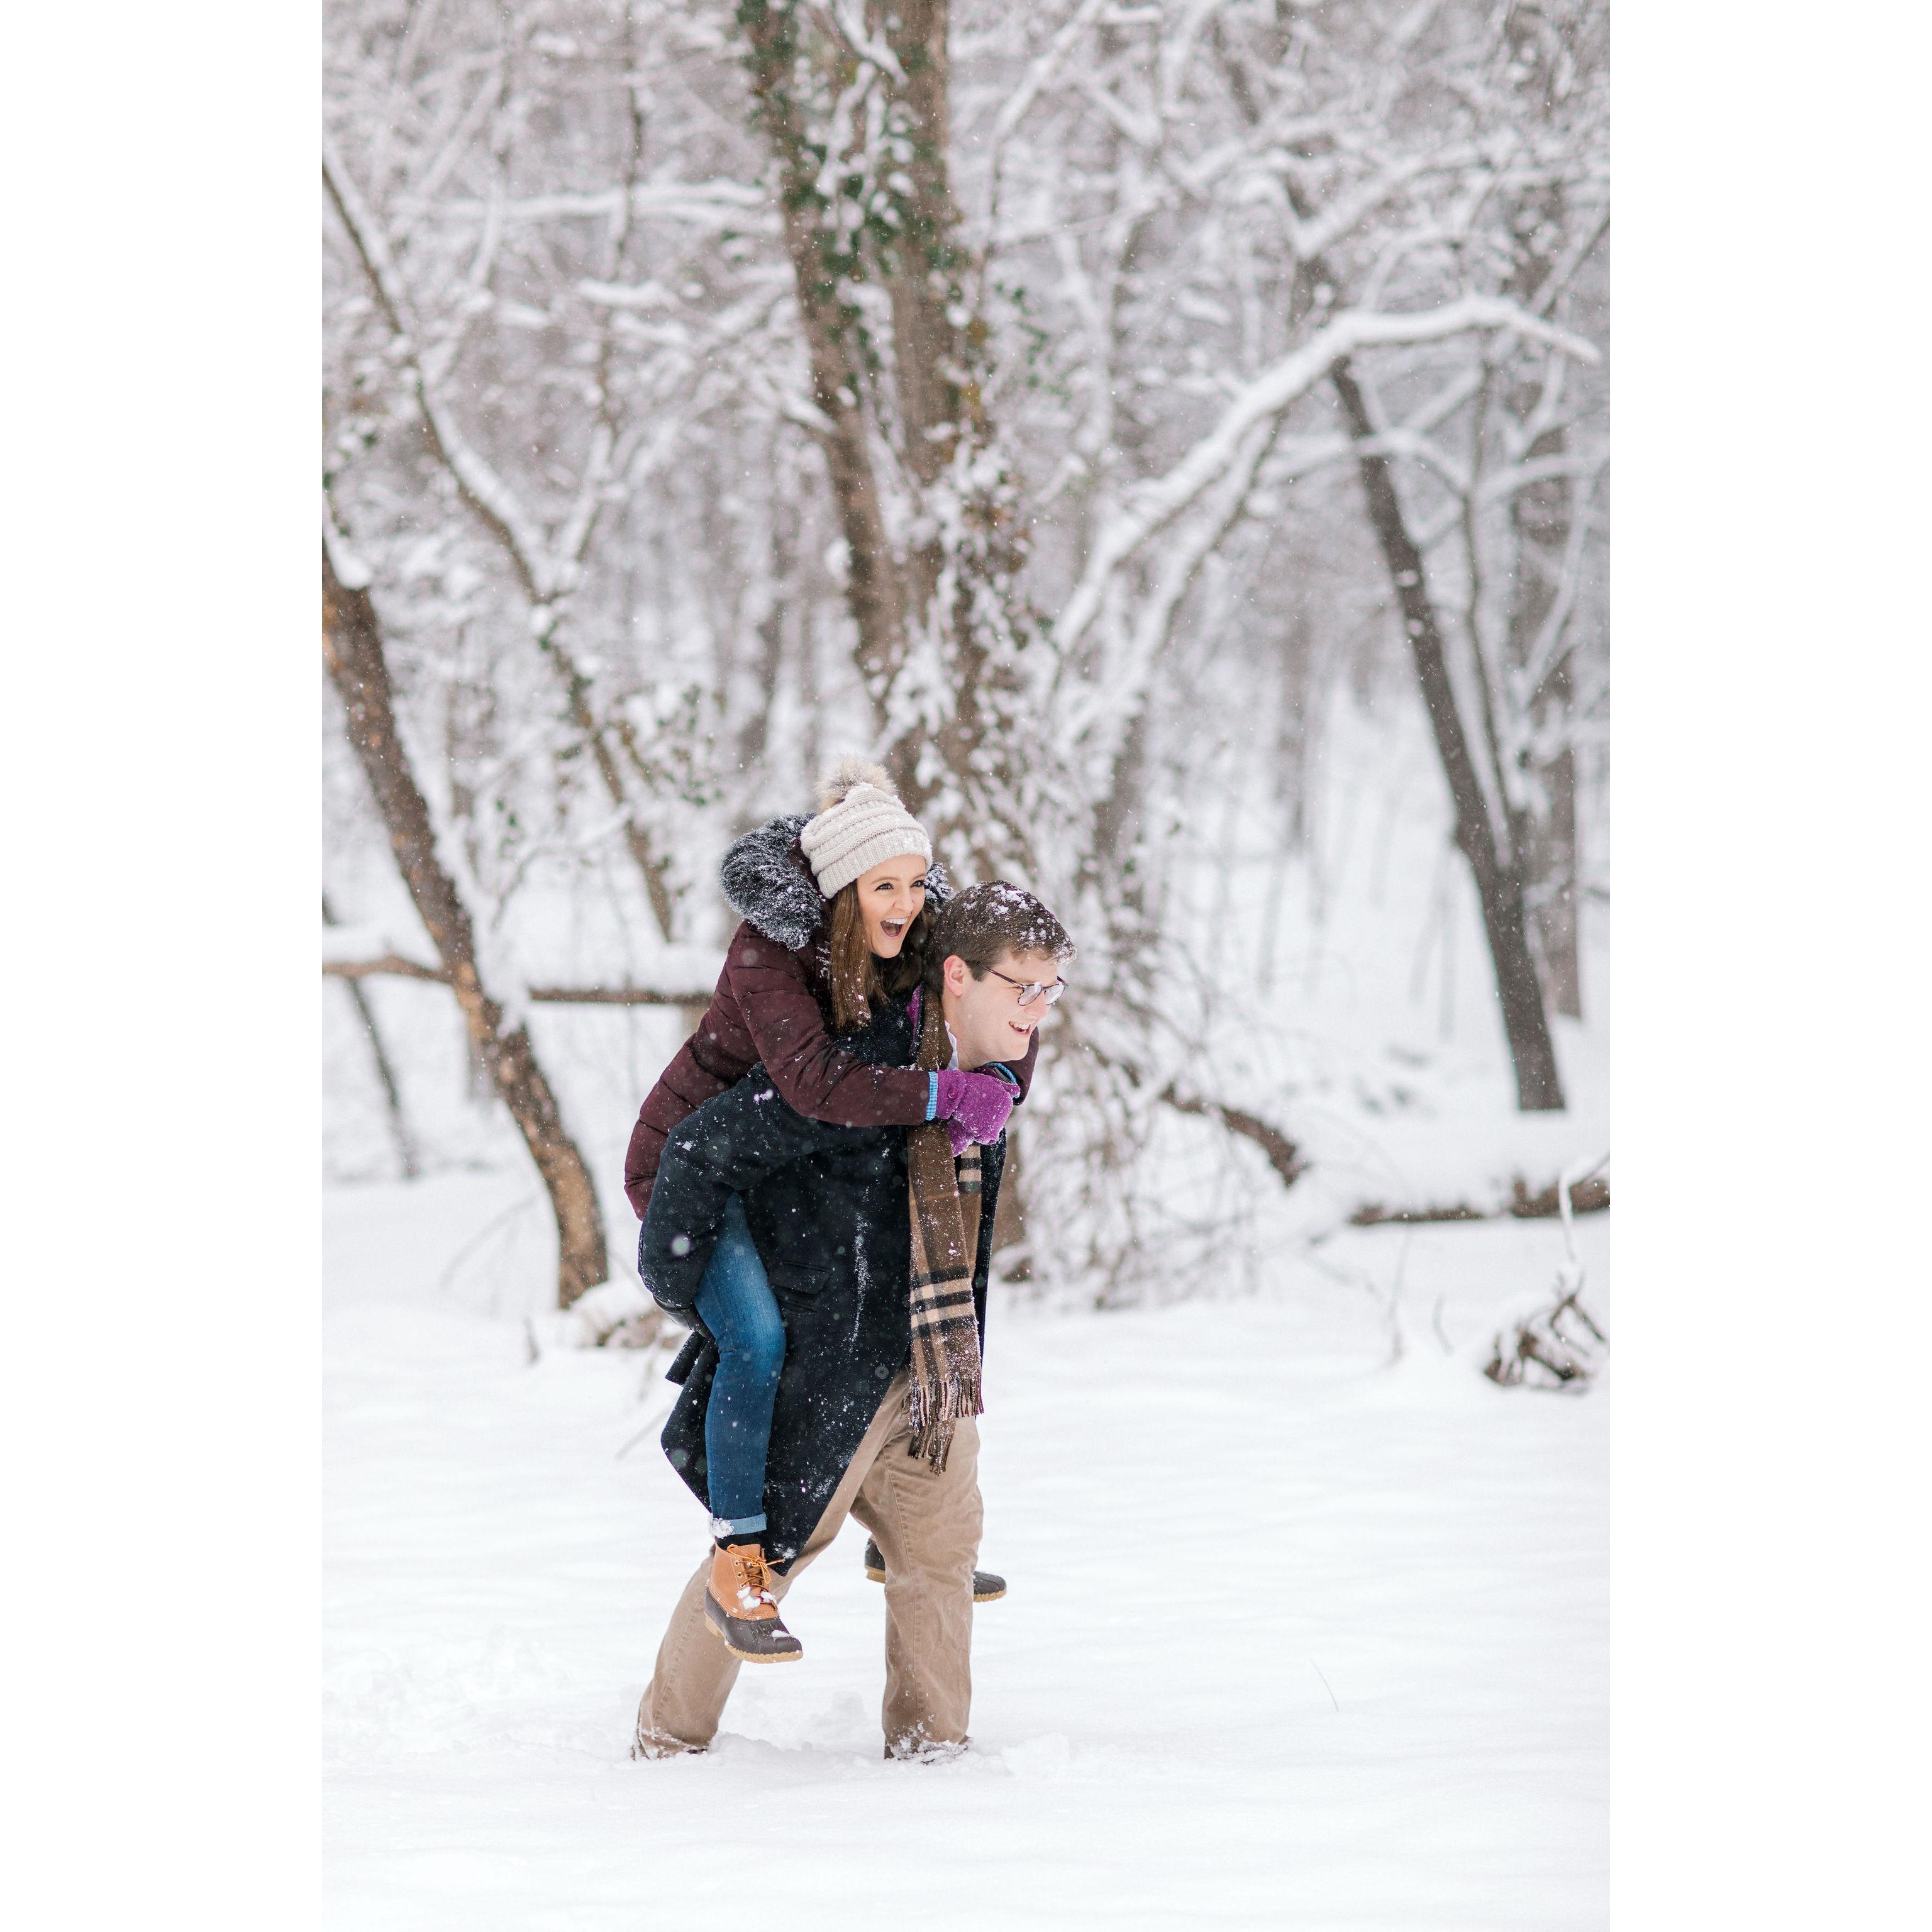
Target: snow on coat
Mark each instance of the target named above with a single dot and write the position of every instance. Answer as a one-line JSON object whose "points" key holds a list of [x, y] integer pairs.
{"points": [[828, 1207]]}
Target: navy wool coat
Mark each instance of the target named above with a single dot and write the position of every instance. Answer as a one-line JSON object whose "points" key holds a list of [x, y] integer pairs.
{"points": [[828, 1208]]}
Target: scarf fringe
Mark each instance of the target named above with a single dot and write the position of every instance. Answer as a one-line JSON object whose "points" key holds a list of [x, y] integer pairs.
{"points": [[933, 1420]]}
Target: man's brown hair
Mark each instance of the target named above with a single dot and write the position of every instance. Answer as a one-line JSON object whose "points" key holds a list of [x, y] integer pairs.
{"points": [[986, 922]]}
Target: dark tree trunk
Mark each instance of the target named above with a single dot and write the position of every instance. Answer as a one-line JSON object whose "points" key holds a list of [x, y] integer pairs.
{"points": [[822, 269], [352, 648], [1499, 880], [1540, 519], [910, 249], [1556, 875]]}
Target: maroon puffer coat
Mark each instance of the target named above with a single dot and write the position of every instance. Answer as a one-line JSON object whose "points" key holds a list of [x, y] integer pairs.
{"points": [[770, 1006]]}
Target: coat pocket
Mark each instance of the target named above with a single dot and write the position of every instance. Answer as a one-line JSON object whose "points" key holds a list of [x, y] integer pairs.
{"points": [[803, 1285]]}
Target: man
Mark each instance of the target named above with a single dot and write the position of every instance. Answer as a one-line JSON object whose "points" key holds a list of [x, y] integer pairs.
{"points": [[877, 1242]]}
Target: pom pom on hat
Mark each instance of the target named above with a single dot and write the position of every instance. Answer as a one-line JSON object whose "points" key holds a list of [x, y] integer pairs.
{"points": [[861, 824], [851, 771]]}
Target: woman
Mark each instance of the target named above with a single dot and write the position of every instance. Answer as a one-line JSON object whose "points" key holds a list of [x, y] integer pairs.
{"points": [[835, 911]]}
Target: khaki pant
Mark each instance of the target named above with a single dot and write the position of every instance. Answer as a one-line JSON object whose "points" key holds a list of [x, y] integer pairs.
{"points": [[927, 1527]]}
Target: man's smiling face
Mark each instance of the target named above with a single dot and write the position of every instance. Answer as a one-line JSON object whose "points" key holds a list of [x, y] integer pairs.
{"points": [[985, 1014]]}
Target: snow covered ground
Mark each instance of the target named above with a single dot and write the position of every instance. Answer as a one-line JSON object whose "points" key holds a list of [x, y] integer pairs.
{"points": [[1296, 1637]]}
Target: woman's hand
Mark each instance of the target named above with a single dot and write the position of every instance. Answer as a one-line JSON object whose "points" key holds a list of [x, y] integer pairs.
{"points": [[974, 1106]]}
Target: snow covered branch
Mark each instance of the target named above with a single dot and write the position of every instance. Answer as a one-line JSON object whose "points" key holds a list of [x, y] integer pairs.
{"points": [[1150, 507], [488, 494]]}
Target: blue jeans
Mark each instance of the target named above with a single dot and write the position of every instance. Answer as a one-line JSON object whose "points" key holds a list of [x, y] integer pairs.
{"points": [[738, 1306]]}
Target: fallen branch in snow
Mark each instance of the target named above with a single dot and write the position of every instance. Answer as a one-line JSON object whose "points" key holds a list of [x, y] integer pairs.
{"points": [[1555, 1349], [396, 966], [619, 1314], [1373, 1214], [1589, 1196], [1561, 1346], [1283, 1156]]}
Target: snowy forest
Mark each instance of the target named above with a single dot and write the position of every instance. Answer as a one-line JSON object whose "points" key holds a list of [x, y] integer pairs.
{"points": [[1172, 437]]}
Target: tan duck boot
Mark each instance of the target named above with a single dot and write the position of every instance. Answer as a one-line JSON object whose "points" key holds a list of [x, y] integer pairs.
{"points": [[740, 1608]]}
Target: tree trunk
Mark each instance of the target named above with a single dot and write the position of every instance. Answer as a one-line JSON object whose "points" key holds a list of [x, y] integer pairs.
{"points": [[1556, 876], [824, 262], [948, 597], [1499, 882], [1540, 517], [1540, 520], [352, 648]]}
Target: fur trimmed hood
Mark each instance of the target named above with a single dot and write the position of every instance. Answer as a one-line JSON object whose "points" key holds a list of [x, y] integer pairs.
{"points": [[767, 883]]}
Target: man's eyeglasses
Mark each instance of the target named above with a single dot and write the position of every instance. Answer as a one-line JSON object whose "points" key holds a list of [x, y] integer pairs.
{"points": [[1052, 988]]}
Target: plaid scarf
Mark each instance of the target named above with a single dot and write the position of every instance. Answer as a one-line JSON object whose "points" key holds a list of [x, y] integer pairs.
{"points": [[945, 1383]]}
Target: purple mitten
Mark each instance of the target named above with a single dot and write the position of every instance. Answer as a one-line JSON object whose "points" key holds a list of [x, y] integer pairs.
{"points": [[977, 1104]]}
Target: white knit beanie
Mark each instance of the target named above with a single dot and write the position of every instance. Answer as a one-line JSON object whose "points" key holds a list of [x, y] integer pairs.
{"points": [[862, 824]]}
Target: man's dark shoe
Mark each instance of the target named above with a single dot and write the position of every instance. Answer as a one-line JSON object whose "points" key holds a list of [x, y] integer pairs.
{"points": [[987, 1588], [920, 1750], [741, 1610]]}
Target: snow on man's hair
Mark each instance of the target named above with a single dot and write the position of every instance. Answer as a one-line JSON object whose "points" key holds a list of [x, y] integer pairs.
{"points": [[850, 771], [986, 921]]}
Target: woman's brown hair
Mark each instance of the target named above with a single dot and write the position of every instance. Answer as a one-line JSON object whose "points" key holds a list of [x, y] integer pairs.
{"points": [[859, 976]]}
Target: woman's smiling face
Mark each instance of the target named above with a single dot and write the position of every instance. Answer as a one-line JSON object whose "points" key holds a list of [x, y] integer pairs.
{"points": [[891, 896]]}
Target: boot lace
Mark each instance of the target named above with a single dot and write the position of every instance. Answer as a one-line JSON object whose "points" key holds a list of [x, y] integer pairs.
{"points": [[752, 1590]]}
